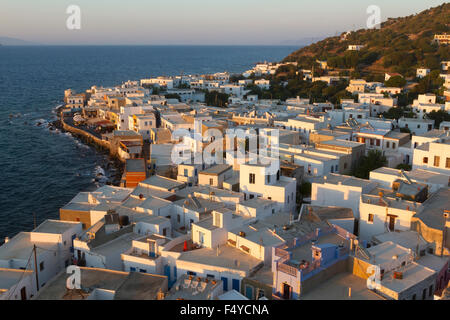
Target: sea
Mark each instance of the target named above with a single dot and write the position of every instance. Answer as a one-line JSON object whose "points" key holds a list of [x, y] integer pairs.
{"points": [[40, 169]]}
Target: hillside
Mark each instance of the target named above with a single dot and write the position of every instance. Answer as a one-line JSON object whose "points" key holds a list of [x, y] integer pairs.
{"points": [[400, 45], [7, 41]]}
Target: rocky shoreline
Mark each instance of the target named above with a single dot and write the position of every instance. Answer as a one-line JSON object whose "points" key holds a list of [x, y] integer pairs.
{"points": [[114, 165]]}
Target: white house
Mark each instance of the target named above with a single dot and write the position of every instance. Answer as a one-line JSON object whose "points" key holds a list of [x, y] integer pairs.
{"points": [[145, 255], [260, 180], [16, 284], [416, 126], [379, 214], [142, 124], [385, 177], [433, 156], [340, 191], [422, 72], [263, 84], [51, 242], [355, 47]]}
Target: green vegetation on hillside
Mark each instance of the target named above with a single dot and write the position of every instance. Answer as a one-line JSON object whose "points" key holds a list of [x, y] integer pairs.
{"points": [[401, 45]]}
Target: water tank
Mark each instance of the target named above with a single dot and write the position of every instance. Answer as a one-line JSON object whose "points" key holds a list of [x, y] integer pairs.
{"points": [[124, 221]]}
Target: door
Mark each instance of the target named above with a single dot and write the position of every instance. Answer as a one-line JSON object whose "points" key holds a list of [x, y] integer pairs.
{"points": [[249, 292], [23, 293], [167, 273], [152, 249], [225, 283], [286, 291], [392, 223], [235, 284]]}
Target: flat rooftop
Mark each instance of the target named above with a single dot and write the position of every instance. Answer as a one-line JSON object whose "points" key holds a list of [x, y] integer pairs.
{"points": [[11, 277], [135, 165], [134, 285], [304, 252], [148, 191], [327, 213], [337, 288], [407, 239], [344, 180], [432, 213], [199, 204], [20, 247], [55, 226], [162, 182], [384, 252], [341, 143], [153, 203], [261, 236], [435, 133], [118, 245], [257, 203], [193, 289], [217, 169], [228, 258], [413, 273]]}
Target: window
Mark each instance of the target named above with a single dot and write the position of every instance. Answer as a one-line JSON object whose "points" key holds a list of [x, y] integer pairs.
{"points": [[268, 178], [430, 292], [436, 161], [178, 218], [252, 196], [41, 266], [370, 218], [142, 270], [388, 144], [447, 163], [252, 178], [424, 294], [185, 172], [425, 160], [393, 145], [211, 182]]}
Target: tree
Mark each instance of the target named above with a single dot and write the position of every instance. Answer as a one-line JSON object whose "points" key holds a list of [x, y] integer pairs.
{"points": [[374, 160], [403, 166], [397, 82], [438, 117], [173, 96], [216, 99], [305, 189]]}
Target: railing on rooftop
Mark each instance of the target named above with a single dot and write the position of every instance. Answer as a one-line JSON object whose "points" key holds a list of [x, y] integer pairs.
{"points": [[307, 269], [287, 269]]}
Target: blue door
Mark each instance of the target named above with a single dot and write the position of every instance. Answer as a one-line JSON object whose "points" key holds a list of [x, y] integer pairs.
{"points": [[71, 247], [225, 283], [249, 292], [235, 284], [167, 273]]}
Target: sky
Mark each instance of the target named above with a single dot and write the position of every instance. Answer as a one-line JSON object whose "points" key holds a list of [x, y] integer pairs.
{"points": [[195, 22]]}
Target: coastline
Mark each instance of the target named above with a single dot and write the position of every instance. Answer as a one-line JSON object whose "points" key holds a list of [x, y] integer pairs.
{"points": [[90, 140]]}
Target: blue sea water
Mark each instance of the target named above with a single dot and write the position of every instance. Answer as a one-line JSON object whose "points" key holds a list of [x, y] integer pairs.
{"points": [[41, 170]]}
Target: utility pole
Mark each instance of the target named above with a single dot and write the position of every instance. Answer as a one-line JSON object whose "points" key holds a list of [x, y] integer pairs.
{"points": [[35, 267]]}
